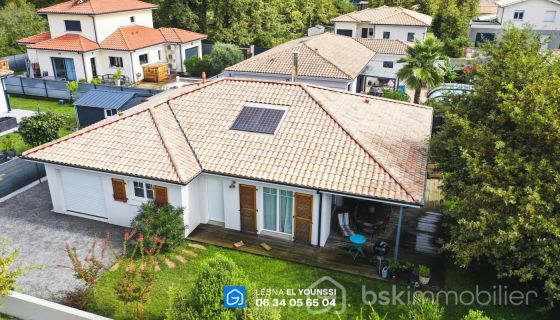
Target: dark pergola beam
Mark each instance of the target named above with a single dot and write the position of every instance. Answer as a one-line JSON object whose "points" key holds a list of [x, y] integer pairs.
{"points": [[398, 238]]}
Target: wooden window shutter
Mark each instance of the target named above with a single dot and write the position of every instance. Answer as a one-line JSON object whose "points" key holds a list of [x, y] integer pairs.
{"points": [[119, 190], [160, 195]]}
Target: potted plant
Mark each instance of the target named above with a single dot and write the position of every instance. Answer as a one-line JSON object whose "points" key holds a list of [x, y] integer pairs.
{"points": [[394, 266], [424, 274], [72, 86], [117, 76]]}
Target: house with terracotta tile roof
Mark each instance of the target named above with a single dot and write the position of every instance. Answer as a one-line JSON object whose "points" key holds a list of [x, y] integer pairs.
{"points": [[94, 38], [329, 60], [383, 23], [260, 157]]}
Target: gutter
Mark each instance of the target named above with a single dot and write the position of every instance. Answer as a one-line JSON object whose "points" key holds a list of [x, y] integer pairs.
{"points": [[94, 28], [132, 66], [320, 217]]}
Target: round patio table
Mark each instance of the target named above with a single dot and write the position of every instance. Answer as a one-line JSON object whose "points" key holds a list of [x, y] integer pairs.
{"points": [[357, 247]]}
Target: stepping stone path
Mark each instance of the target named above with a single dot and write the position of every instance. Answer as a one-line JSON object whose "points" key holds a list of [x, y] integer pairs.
{"points": [[169, 263], [190, 253], [197, 246], [180, 258], [156, 266], [131, 267]]}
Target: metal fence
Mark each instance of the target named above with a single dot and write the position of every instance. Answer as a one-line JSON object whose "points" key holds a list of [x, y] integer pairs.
{"points": [[18, 173], [57, 89], [17, 62]]}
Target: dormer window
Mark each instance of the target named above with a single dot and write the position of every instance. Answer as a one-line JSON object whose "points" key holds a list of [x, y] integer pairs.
{"points": [[73, 25], [259, 118]]}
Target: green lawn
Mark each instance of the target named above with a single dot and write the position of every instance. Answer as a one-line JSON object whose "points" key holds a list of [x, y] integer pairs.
{"points": [[66, 110], [277, 274]]}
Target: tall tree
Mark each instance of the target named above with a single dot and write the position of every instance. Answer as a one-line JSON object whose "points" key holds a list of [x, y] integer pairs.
{"points": [[451, 24], [184, 14], [499, 149], [18, 19], [419, 70]]}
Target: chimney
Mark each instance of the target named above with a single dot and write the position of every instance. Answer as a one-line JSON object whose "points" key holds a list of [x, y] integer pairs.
{"points": [[295, 56], [203, 77]]}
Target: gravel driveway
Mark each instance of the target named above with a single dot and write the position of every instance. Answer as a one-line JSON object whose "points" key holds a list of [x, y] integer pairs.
{"points": [[39, 235]]}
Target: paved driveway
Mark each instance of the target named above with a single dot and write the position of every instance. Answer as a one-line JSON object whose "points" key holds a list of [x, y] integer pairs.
{"points": [[39, 235]]}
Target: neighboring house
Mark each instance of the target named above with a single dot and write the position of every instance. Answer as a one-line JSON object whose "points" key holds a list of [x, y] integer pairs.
{"points": [[542, 15], [97, 104], [255, 156], [326, 59], [487, 7], [381, 72], [383, 23], [91, 38]]}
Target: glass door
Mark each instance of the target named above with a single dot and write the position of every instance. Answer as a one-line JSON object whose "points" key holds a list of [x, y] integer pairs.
{"points": [[64, 68], [93, 68], [278, 210]]}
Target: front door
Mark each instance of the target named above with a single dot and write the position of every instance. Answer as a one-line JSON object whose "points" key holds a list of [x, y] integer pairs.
{"points": [[93, 68], [248, 208], [303, 217]]}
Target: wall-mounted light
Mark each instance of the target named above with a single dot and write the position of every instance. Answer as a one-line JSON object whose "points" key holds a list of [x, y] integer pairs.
{"points": [[232, 185]]}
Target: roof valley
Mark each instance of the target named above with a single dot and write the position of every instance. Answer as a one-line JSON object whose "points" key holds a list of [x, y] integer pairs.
{"points": [[185, 136]]}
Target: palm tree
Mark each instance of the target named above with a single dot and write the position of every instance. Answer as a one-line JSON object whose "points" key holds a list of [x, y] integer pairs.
{"points": [[420, 70]]}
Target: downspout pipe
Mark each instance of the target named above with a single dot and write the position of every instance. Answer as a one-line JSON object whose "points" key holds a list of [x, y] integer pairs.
{"points": [[320, 218], [132, 66]]}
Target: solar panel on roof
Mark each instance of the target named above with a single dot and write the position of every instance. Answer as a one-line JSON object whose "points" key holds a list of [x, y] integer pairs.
{"points": [[261, 120]]}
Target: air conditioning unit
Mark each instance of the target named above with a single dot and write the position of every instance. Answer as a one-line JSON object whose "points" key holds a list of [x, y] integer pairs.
{"points": [[171, 56], [171, 47]]}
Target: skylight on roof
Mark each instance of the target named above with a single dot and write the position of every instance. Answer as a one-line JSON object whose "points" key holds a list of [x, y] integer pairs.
{"points": [[258, 119]]}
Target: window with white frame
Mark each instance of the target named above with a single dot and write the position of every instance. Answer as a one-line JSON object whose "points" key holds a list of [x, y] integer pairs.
{"points": [[110, 112], [116, 62], [518, 14], [278, 210], [410, 37], [550, 16], [387, 64], [143, 58], [143, 190]]}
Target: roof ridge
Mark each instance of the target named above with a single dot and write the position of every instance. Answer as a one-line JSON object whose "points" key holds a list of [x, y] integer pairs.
{"points": [[328, 61], [401, 185], [166, 145]]}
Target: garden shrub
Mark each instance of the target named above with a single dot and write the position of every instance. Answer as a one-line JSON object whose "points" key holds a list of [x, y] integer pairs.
{"points": [[222, 56], [422, 308], [395, 95], [205, 300], [40, 128], [196, 66], [165, 222], [475, 315]]}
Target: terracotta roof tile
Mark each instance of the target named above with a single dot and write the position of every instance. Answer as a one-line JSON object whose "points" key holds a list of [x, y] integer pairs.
{"points": [[180, 35], [35, 38], [386, 15], [384, 46], [97, 6], [132, 38], [326, 55], [328, 140], [66, 42]]}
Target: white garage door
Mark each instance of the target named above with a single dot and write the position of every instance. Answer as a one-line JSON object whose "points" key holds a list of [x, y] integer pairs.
{"points": [[83, 193]]}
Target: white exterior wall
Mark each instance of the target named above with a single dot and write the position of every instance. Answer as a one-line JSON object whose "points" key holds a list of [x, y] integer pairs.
{"points": [[106, 24], [152, 58], [194, 205], [231, 203], [58, 28], [347, 26], [119, 213], [326, 211], [535, 11], [180, 53], [400, 32], [3, 97], [330, 83], [43, 57], [375, 67]]}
